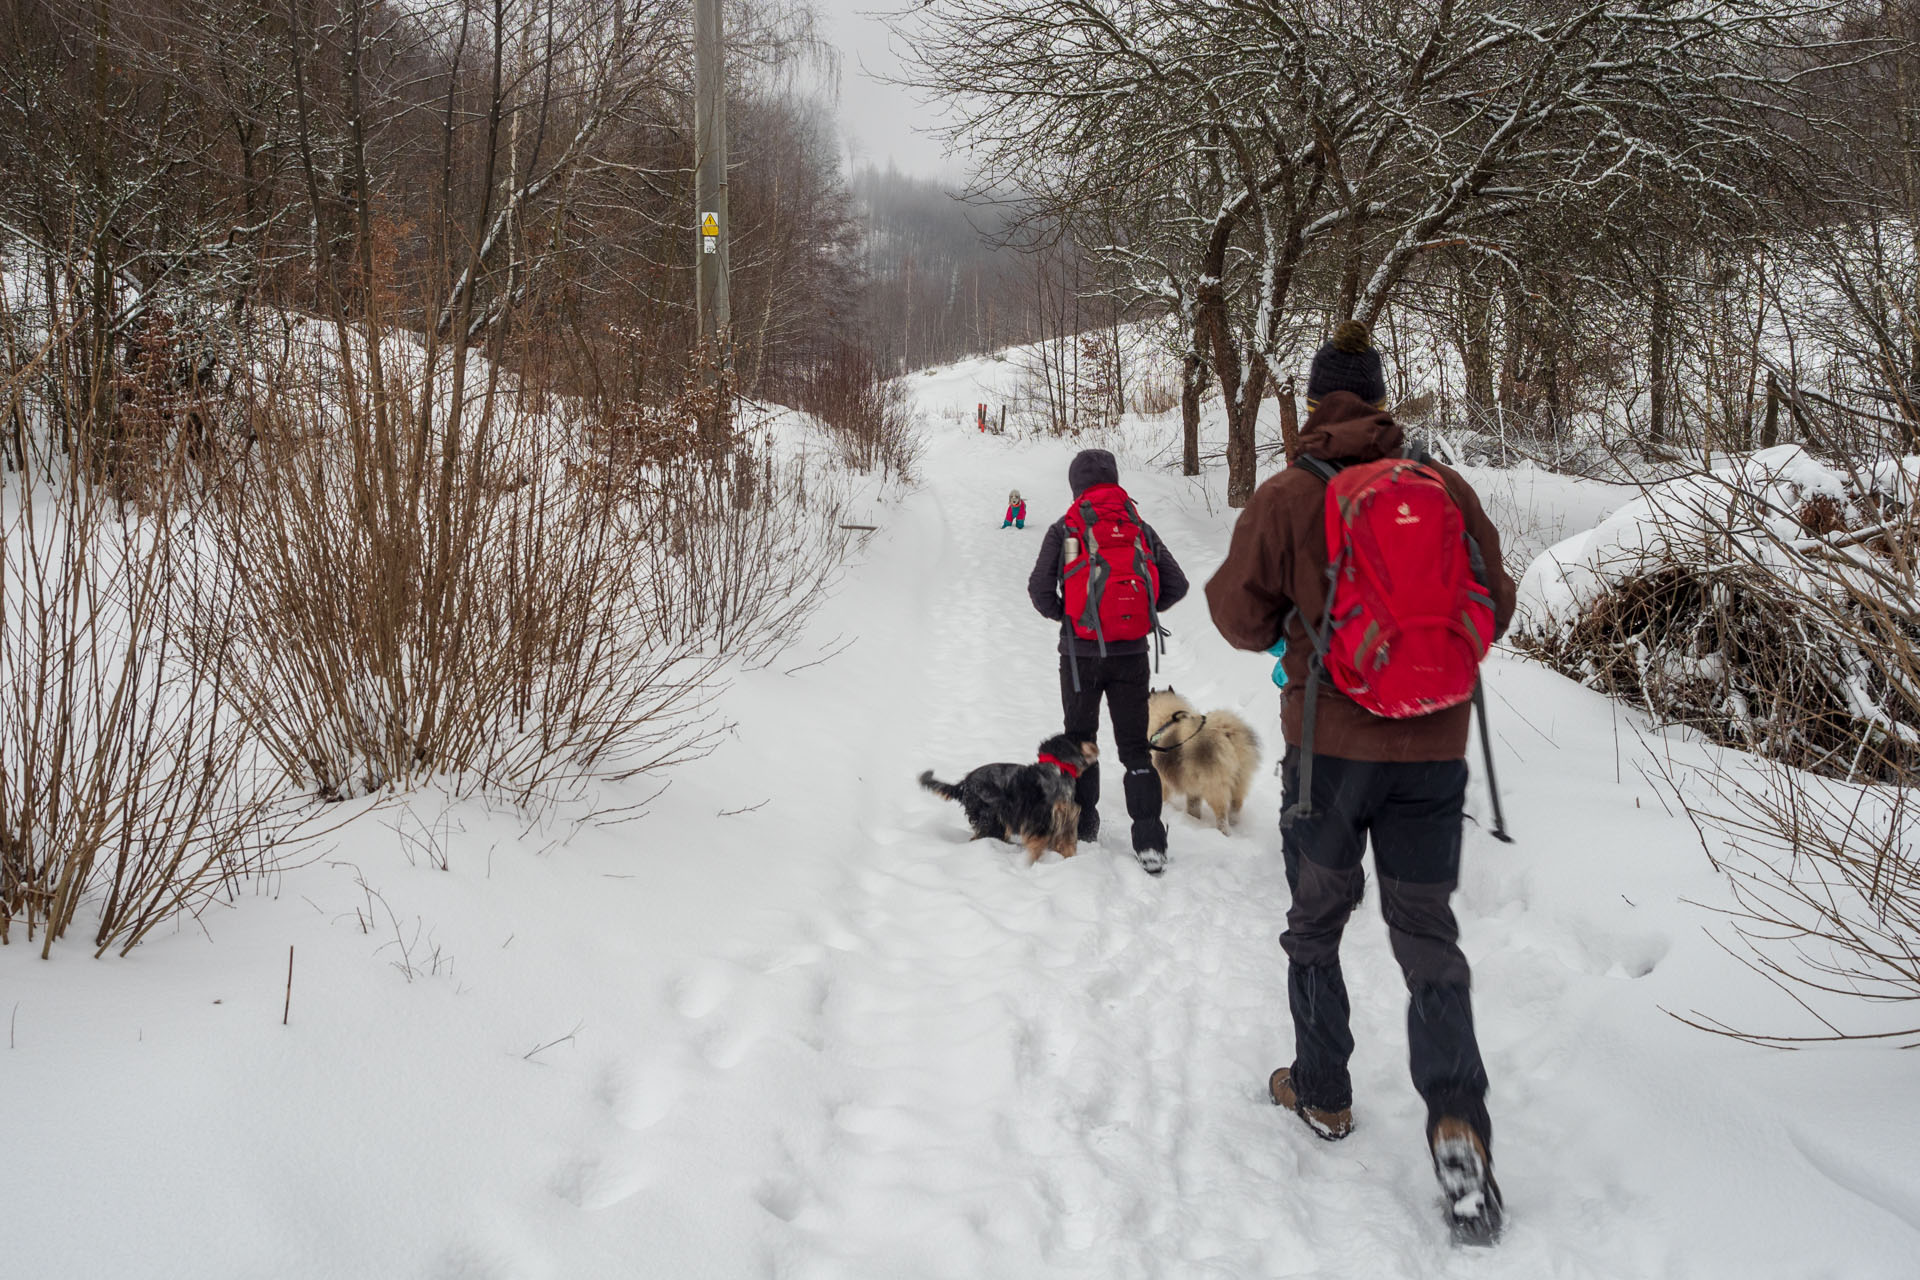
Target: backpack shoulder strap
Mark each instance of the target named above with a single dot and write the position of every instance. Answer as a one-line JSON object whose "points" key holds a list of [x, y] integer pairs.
{"points": [[1088, 519], [1319, 466]]}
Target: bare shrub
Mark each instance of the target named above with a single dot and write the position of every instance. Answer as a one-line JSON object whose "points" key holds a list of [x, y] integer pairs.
{"points": [[731, 577], [1827, 890], [1073, 384], [417, 585], [870, 414], [1768, 604], [1156, 395], [127, 785]]}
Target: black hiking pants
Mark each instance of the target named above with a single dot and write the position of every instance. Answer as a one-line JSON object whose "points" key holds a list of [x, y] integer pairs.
{"points": [[1122, 679], [1412, 811]]}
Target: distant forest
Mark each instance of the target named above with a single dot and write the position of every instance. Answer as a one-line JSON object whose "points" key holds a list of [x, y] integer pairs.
{"points": [[941, 278]]}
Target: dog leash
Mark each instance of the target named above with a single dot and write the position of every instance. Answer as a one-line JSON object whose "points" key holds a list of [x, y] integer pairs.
{"points": [[1153, 739]]}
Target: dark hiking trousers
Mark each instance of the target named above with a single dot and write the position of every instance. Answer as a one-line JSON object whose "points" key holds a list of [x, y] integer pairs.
{"points": [[1122, 680], [1412, 812]]}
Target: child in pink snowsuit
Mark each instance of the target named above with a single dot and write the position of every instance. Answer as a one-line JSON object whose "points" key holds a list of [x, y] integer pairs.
{"points": [[1016, 511]]}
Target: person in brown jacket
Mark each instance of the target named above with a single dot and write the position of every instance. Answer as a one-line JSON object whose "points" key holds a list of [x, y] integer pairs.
{"points": [[1401, 783]]}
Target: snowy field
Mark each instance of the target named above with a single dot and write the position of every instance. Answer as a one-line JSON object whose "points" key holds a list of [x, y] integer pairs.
{"points": [[782, 1020]]}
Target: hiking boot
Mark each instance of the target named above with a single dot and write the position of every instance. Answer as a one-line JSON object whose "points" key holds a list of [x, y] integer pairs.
{"points": [[1149, 834], [1089, 831], [1465, 1170], [1331, 1125]]}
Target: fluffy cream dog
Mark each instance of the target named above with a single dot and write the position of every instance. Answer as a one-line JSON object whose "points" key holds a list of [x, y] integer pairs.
{"points": [[1209, 757]]}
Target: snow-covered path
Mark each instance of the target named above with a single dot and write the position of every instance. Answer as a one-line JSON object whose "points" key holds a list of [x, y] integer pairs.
{"points": [[1003, 1071], [817, 1034]]}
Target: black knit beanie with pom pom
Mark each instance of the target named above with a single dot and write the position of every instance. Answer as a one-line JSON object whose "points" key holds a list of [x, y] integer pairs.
{"points": [[1347, 362]]}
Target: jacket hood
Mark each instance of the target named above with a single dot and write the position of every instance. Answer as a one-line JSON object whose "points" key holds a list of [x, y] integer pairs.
{"points": [[1343, 427], [1091, 467]]}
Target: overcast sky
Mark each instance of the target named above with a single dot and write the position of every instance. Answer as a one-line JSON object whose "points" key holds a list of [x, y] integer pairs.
{"points": [[879, 119]]}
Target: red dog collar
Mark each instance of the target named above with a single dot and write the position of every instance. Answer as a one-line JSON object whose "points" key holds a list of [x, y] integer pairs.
{"points": [[1071, 770]]}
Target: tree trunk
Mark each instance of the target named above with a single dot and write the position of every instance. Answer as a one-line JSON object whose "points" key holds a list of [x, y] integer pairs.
{"points": [[1476, 349], [1243, 419], [1770, 428], [1513, 393], [1240, 399], [1907, 115], [1193, 381], [1659, 363], [1289, 421]]}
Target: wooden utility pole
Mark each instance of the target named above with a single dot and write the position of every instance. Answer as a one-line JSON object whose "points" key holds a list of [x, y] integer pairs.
{"points": [[710, 181]]}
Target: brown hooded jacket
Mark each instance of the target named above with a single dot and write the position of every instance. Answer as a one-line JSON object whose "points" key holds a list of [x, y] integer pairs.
{"points": [[1275, 575]]}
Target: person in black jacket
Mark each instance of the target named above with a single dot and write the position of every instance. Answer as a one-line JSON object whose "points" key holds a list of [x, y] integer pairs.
{"points": [[1122, 676]]}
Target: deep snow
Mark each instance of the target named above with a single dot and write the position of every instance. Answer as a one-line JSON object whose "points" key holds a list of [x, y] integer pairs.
{"points": [[783, 1020]]}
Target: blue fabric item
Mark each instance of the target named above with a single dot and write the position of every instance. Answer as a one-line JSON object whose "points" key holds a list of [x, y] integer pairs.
{"points": [[1279, 651]]}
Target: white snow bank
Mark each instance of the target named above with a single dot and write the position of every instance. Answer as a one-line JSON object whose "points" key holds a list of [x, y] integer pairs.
{"points": [[1754, 497]]}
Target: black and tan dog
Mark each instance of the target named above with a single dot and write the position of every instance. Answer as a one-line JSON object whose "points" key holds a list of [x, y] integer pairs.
{"points": [[1025, 804]]}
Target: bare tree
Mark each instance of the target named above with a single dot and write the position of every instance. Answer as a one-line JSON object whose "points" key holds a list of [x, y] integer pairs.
{"points": [[1325, 151]]}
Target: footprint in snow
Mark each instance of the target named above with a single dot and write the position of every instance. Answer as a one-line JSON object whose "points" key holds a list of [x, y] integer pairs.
{"points": [[783, 1197], [1613, 952], [698, 993], [593, 1182], [641, 1093]]}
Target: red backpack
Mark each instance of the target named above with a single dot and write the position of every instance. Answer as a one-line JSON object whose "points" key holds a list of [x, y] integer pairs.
{"points": [[1408, 620], [1109, 580], [1408, 616]]}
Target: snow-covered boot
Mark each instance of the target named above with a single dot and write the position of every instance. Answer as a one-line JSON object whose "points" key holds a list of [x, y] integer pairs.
{"points": [[1331, 1125], [1465, 1170], [1152, 861]]}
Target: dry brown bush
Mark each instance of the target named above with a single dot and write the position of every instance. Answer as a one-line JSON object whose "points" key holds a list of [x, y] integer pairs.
{"points": [[128, 787], [418, 583], [1156, 395], [749, 553], [869, 413], [1791, 632]]}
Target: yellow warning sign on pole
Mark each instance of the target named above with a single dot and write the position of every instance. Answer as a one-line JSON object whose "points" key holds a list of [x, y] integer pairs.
{"points": [[709, 224]]}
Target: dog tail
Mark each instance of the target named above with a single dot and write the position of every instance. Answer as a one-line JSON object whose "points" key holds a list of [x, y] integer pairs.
{"points": [[945, 790]]}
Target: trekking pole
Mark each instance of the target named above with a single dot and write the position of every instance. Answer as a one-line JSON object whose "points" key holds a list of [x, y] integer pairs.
{"points": [[1486, 749]]}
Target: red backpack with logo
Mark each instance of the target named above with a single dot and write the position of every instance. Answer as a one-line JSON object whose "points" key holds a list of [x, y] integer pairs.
{"points": [[1109, 580], [1408, 616]]}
